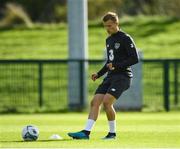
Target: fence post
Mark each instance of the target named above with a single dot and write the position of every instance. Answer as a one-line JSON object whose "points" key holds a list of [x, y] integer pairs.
{"points": [[40, 82], [166, 85], [81, 83], [176, 83]]}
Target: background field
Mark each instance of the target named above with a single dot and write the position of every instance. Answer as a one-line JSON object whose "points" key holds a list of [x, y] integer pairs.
{"points": [[157, 37], [134, 130]]}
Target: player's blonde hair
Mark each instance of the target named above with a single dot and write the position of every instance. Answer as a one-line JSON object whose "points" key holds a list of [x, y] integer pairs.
{"points": [[111, 16]]}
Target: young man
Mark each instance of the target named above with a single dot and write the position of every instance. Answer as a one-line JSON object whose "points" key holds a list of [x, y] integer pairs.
{"points": [[121, 54]]}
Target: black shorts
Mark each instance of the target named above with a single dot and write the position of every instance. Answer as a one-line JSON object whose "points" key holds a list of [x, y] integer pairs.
{"points": [[114, 85]]}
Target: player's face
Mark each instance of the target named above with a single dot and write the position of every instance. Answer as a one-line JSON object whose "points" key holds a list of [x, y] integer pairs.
{"points": [[111, 27]]}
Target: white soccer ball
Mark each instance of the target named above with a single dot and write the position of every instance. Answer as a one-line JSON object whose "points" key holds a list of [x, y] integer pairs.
{"points": [[30, 133]]}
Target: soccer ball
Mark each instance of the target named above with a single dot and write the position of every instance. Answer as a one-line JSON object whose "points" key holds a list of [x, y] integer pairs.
{"points": [[30, 133]]}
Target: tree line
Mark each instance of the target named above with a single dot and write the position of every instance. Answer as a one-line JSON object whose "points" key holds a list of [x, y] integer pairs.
{"points": [[56, 10]]}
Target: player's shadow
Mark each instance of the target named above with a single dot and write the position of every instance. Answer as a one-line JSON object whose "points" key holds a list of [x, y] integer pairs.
{"points": [[34, 141], [54, 140]]}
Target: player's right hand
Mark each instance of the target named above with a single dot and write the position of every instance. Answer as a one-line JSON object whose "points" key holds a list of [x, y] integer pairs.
{"points": [[94, 76], [110, 66]]}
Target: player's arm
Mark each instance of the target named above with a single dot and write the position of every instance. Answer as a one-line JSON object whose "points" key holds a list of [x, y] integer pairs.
{"points": [[100, 73], [131, 50]]}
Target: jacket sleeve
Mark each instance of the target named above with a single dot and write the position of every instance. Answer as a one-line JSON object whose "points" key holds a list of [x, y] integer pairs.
{"points": [[132, 54], [103, 70]]}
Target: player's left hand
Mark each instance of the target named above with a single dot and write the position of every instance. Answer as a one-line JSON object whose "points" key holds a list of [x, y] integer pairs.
{"points": [[110, 66]]}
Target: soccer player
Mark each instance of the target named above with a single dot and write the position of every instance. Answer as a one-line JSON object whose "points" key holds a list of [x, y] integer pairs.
{"points": [[121, 54]]}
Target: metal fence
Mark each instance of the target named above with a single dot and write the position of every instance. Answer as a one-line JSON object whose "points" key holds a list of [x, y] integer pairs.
{"points": [[161, 84], [42, 85]]}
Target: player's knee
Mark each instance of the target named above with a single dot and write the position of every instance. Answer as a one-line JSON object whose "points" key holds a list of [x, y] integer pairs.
{"points": [[106, 104], [97, 101], [94, 103]]}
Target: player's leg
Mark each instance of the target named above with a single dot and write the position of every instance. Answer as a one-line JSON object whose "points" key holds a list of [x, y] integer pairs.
{"points": [[93, 115], [94, 111], [108, 102], [95, 106], [119, 84]]}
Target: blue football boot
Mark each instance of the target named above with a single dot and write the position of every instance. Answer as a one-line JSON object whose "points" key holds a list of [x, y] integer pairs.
{"points": [[78, 135]]}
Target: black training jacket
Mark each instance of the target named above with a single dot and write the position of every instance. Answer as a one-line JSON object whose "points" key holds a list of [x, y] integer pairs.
{"points": [[122, 53]]}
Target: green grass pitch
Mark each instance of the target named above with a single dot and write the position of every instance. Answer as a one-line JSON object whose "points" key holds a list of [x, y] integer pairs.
{"points": [[134, 130]]}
